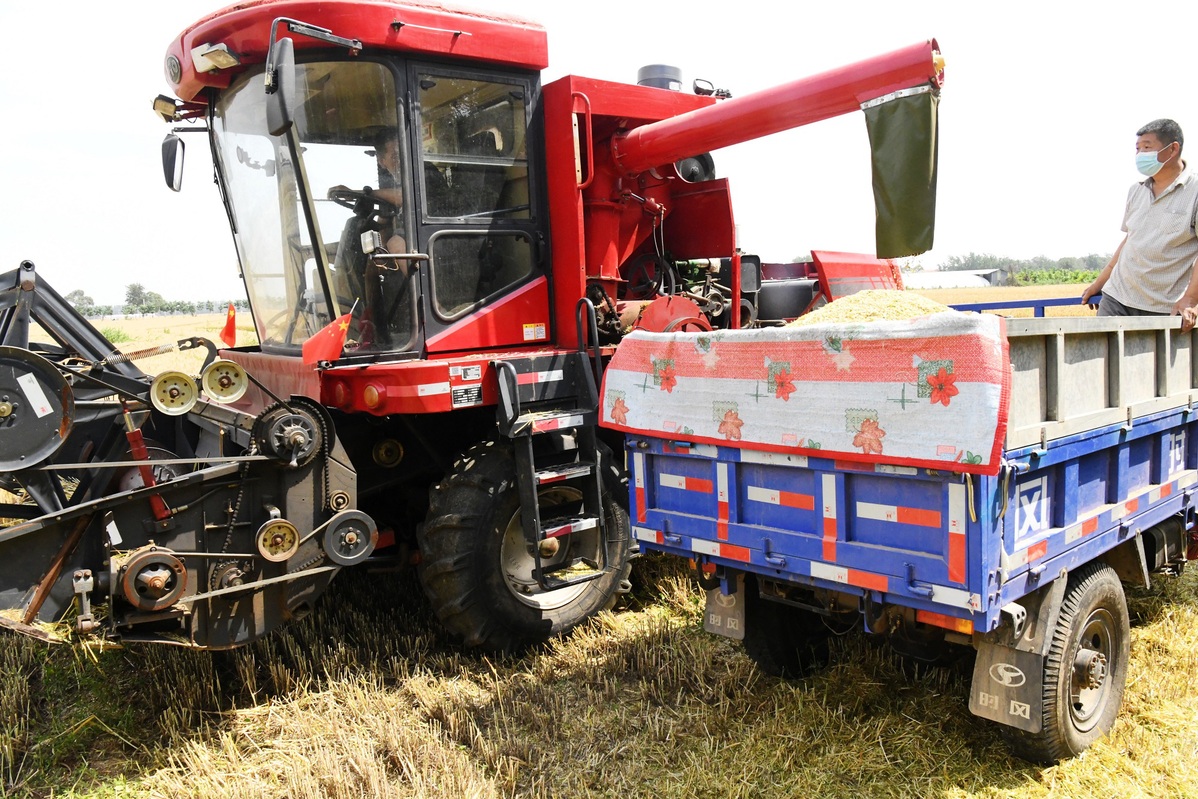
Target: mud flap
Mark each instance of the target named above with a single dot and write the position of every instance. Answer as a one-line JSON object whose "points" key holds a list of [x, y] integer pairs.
{"points": [[1007, 687], [1008, 675], [725, 613]]}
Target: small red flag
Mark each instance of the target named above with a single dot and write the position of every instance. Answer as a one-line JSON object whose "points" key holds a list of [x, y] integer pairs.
{"points": [[229, 334], [327, 342]]}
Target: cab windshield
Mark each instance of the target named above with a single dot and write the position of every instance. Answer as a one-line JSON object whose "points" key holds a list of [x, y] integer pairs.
{"points": [[303, 269]]}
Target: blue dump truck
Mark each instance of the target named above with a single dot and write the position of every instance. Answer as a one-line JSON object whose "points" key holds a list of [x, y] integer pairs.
{"points": [[957, 479]]}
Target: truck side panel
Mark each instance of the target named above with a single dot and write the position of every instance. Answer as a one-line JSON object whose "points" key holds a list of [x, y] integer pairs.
{"points": [[896, 531], [934, 541]]}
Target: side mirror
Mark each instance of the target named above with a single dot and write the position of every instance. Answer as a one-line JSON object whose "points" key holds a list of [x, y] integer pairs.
{"points": [[280, 86], [172, 161]]}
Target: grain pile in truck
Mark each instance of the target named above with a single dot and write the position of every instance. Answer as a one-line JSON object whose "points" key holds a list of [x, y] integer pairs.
{"points": [[871, 305]]}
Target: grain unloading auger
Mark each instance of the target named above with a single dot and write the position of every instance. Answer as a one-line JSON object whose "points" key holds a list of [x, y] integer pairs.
{"points": [[142, 509]]}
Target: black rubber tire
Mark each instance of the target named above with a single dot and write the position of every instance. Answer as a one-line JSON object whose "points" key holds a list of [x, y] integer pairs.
{"points": [[1094, 611], [461, 542], [783, 641]]}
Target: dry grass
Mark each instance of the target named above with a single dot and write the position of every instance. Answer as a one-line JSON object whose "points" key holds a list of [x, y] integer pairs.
{"points": [[364, 699]]}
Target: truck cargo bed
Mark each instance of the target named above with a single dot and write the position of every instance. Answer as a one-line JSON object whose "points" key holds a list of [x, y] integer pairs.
{"points": [[1099, 448]]}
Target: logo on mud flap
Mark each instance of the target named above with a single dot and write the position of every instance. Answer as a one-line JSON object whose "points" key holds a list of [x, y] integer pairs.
{"points": [[725, 600], [1007, 675]]}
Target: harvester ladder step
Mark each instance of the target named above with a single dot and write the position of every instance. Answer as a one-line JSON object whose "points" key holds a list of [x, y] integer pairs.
{"points": [[578, 571], [556, 474], [556, 393], [566, 525], [548, 421]]}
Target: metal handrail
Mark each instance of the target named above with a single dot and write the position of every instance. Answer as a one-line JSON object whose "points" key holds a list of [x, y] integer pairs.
{"points": [[593, 323]]}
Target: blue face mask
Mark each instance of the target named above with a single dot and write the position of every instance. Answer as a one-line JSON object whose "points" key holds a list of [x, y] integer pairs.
{"points": [[1147, 164]]}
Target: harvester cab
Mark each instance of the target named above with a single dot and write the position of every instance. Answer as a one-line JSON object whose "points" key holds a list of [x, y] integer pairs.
{"points": [[372, 177]]}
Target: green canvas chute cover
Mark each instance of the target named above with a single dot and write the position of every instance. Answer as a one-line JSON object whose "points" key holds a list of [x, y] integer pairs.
{"points": [[903, 144]]}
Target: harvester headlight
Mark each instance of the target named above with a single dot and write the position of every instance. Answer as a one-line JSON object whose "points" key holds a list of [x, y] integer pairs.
{"points": [[208, 57]]}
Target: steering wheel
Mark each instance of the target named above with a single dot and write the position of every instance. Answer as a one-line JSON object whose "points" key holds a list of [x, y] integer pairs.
{"points": [[362, 202]]}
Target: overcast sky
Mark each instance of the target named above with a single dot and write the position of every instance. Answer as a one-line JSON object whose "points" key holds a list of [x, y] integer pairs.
{"points": [[1038, 120]]}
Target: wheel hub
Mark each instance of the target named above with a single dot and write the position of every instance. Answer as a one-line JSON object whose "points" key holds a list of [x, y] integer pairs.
{"points": [[518, 562], [1090, 668], [153, 579], [1091, 684]]}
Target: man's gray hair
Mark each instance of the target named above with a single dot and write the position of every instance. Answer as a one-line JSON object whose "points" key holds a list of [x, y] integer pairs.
{"points": [[1166, 130]]}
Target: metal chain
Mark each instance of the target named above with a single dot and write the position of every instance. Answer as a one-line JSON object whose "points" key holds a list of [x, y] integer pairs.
{"points": [[244, 472], [325, 453], [307, 564]]}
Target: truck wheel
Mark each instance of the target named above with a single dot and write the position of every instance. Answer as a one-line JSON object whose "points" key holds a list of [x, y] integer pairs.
{"points": [[1085, 670], [476, 568], [783, 641]]}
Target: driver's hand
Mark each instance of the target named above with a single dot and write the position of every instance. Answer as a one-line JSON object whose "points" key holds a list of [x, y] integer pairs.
{"points": [[336, 189]]}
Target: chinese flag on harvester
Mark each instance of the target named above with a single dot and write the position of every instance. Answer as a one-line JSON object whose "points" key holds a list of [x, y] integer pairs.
{"points": [[229, 333], [326, 344]]}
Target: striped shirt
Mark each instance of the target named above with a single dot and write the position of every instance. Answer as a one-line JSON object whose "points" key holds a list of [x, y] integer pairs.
{"points": [[1161, 246]]}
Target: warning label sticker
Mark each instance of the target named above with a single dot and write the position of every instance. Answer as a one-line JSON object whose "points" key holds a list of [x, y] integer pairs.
{"points": [[36, 396], [534, 332], [466, 373]]}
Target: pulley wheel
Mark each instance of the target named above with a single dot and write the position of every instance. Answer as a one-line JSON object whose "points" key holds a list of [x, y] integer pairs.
{"points": [[174, 393], [224, 381], [37, 409], [130, 479], [153, 579], [277, 540], [289, 434], [350, 538]]}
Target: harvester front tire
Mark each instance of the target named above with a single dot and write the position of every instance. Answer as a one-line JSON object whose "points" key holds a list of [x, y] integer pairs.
{"points": [[467, 544]]}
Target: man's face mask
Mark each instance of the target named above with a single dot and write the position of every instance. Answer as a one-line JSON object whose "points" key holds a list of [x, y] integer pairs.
{"points": [[1147, 164]]}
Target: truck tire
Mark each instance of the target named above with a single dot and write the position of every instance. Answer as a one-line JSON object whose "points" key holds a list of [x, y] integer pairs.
{"points": [[783, 641], [1084, 671], [475, 567]]}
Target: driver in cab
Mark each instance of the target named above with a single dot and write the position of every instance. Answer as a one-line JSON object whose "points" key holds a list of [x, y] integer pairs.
{"points": [[386, 152], [361, 277], [390, 191]]}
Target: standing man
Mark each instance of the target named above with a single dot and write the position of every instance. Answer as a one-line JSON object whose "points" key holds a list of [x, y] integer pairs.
{"points": [[1152, 272]]}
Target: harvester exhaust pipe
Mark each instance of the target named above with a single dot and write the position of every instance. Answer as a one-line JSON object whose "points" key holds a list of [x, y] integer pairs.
{"points": [[660, 76]]}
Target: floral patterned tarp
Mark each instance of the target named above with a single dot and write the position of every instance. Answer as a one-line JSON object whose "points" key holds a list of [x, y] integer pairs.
{"points": [[929, 392]]}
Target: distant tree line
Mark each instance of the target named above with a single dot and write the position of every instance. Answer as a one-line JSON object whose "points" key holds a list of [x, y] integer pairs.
{"points": [[140, 301], [1034, 271]]}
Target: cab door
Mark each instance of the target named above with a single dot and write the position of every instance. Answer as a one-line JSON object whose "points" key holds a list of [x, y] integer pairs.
{"points": [[479, 217]]}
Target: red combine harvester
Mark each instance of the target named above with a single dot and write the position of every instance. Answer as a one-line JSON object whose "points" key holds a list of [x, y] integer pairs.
{"points": [[440, 254]]}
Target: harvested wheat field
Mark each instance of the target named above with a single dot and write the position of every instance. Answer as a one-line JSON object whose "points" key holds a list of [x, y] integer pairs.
{"points": [[365, 698], [147, 332]]}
